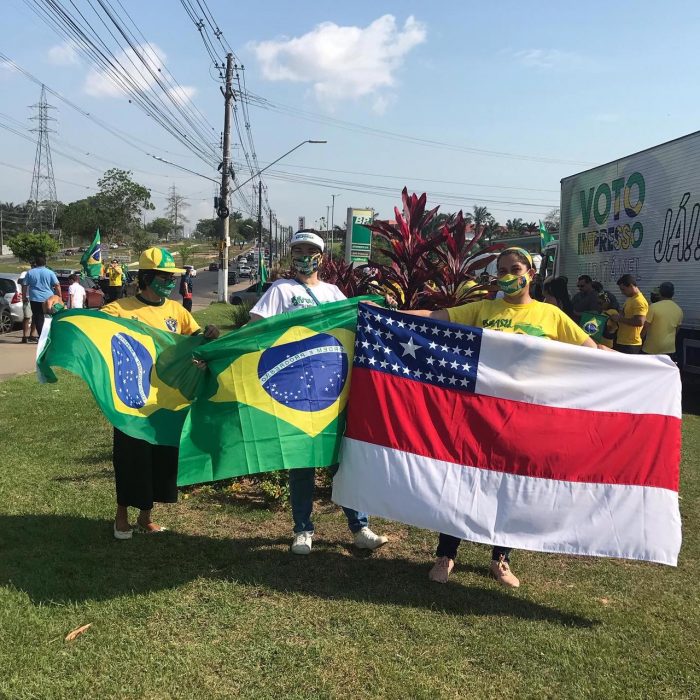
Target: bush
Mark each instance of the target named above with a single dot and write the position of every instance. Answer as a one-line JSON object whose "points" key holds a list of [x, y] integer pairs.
{"points": [[28, 246]]}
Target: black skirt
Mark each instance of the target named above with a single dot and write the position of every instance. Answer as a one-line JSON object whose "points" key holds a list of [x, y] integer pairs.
{"points": [[143, 473]]}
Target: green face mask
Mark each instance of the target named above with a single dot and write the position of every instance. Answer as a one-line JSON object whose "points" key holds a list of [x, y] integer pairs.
{"points": [[512, 284], [307, 264], [163, 288]]}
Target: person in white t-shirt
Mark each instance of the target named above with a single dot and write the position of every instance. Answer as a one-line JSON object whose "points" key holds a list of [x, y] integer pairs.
{"points": [[76, 293], [304, 291]]}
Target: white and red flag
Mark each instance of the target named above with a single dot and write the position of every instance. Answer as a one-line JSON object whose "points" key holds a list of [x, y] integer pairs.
{"points": [[513, 440]]}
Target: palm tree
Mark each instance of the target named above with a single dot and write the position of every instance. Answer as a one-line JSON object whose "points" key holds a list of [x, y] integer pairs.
{"points": [[480, 218], [514, 226]]}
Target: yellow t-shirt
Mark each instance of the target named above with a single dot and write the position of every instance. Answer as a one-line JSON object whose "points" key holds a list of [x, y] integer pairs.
{"points": [[663, 317], [535, 318], [611, 326], [115, 276], [634, 306], [168, 316]]}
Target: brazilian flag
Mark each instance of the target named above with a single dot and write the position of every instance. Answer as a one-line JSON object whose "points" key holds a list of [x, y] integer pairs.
{"points": [[594, 325], [92, 257], [275, 395], [142, 378]]}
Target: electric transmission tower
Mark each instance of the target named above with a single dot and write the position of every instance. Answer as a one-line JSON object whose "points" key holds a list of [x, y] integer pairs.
{"points": [[43, 202]]}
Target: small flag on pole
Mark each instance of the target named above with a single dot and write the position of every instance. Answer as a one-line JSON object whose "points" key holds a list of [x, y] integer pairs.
{"points": [[92, 258], [545, 236]]}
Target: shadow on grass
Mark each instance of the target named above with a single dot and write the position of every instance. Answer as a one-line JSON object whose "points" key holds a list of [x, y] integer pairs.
{"points": [[59, 559], [99, 474]]}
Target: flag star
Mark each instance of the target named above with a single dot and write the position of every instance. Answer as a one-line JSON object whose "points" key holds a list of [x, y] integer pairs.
{"points": [[417, 373], [453, 380], [367, 327], [442, 362], [430, 360], [468, 352], [444, 348], [383, 364], [454, 364], [470, 336], [406, 370], [459, 335], [423, 328], [377, 317], [386, 350], [395, 367], [400, 324], [464, 382], [440, 378], [389, 335], [390, 322], [361, 358], [409, 348], [432, 345], [365, 344], [448, 333], [308, 386], [455, 350], [412, 326], [377, 346], [372, 361], [466, 366], [435, 330], [325, 388], [357, 342]]}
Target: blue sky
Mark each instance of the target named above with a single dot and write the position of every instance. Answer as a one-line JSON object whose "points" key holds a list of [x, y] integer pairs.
{"points": [[556, 87]]}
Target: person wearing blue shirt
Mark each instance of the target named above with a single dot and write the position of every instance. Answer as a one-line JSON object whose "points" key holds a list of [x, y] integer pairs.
{"points": [[38, 286]]}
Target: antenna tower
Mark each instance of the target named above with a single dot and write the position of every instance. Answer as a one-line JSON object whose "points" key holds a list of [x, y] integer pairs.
{"points": [[43, 202]]}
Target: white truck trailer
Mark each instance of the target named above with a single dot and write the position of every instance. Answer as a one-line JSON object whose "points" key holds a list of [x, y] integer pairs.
{"points": [[640, 215]]}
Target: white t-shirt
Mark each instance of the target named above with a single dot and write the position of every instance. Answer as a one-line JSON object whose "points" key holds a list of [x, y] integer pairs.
{"points": [[290, 295], [76, 296]]}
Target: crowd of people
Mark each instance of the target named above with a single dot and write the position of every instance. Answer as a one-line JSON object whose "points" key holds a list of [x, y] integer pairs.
{"points": [[146, 473]]}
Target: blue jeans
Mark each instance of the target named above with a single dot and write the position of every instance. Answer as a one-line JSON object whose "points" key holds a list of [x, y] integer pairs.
{"points": [[301, 497]]}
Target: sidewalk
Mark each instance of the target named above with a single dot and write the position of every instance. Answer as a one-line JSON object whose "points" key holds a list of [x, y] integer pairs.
{"points": [[15, 357]]}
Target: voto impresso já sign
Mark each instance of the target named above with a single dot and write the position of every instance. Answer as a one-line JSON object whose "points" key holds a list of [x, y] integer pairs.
{"points": [[358, 238]]}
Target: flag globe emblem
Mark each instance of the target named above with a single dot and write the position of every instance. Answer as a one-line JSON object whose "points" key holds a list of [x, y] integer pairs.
{"points": [[306, 375], [591, 327], [132, 364]]}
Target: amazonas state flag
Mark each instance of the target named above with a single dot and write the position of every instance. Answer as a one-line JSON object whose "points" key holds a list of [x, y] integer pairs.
{"points": [[275, 396], [142, 378]]}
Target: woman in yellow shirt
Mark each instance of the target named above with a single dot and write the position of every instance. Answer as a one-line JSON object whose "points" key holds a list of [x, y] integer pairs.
{"points": [[517, 312]]}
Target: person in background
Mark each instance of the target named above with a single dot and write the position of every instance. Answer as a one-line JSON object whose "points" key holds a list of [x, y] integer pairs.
{"points": [[146, 473], [631, 320], [611, 325], [518, 312], [39, 285], [29, 334], [115, 281], [614, 303], [586, 299], [661, 324], [186, 289], [556, 292], [304, 291], [76, 293]]}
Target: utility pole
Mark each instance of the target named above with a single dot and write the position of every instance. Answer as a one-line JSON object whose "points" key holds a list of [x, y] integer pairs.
{"points": [[260, 243], [2, 240], [333, 220], [270, 255], [277, 245], [222, 209]]}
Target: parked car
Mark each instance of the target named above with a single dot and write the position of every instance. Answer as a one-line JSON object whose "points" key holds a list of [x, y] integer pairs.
{"points": [[193, 270], [213, 267], [11, 291], [5, 316], [94, 296], [113, 246], [233, 277], [250, 295], [68, 251]]}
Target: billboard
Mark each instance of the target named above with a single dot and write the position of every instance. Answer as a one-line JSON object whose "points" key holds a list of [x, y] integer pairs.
{"points": [[358, 239]]}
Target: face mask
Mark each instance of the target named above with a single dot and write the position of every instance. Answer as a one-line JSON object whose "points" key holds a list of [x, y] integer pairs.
{"points": [[307, 264], [162, 288], [512, 284]]}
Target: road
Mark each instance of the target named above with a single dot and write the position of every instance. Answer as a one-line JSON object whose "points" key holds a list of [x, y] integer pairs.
{"points": [[204, 288]]}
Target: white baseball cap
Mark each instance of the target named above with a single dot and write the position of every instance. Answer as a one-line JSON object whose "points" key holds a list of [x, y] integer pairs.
{"points": [[307, 237]]}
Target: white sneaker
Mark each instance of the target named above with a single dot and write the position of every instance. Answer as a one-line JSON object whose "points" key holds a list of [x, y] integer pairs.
{"points": [[366, 539], [301, 544]]}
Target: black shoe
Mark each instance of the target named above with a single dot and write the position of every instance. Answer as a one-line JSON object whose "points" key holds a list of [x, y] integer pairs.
{"points": [[24, 339], [33, 339]]}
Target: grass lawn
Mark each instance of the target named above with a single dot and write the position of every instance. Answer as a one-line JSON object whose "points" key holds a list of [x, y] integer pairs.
{"points": [[218, 608]]}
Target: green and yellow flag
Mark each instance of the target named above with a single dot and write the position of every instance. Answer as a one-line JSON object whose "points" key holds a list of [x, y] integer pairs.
{"points": [[92, 258], [594, 324], [275, 396], [142, 378], [545, 236]]}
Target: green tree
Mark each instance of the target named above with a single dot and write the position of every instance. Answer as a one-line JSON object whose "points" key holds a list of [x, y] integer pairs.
{"points": [[160, 227], [207, 229], [187, 253], [27, 246], [514, 227], [79, 218], [120, 203], [480, 218], [141, 239]]}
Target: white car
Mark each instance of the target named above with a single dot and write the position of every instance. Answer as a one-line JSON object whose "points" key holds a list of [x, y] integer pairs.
{"points": [[193, 270], [12, 293]]}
